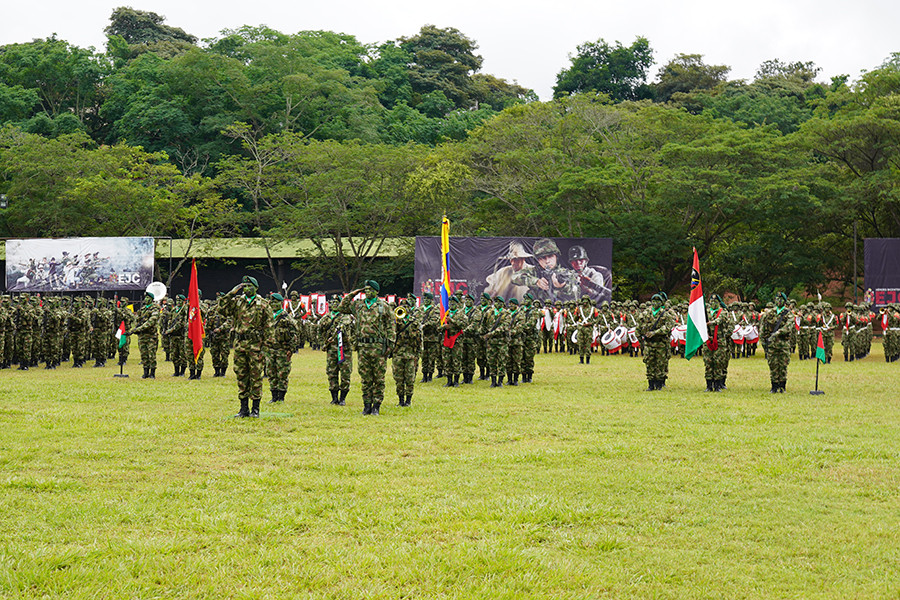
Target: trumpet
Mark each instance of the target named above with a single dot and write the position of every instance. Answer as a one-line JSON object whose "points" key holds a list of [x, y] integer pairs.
{"points": [[400, 313]]}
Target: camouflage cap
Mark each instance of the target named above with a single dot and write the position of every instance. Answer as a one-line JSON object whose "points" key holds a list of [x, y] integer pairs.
{"points": [[545, 247]]}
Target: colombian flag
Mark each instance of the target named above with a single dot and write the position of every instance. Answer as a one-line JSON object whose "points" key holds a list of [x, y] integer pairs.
{"points": [[445, 267]]}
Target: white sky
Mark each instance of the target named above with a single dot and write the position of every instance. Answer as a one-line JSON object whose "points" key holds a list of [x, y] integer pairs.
{"points": [[528, 41]]}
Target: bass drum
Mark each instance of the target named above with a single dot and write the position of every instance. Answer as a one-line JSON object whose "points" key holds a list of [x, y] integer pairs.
{"points": [[611, 342], [737, 336], [750, 334], [679, 335]]}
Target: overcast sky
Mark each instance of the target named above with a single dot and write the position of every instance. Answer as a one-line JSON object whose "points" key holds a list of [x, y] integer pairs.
{"points": [[526, 40]]}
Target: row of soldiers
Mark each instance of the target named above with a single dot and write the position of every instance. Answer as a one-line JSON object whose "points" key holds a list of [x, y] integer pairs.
{"points": [[50, 330]]}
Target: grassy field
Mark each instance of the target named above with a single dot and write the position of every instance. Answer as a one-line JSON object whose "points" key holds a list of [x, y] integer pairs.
{"points": [[579, 485]]}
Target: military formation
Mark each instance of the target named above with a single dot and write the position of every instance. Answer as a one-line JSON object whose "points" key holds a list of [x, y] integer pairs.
{"points": [[490, 338]]}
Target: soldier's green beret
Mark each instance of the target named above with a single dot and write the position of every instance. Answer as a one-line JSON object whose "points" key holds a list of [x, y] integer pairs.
{"points": [[278, 297], [251, 280], [180, 297], [373, 284], [485, 295], [470, 296], [149, 295], [656, 297], [453, 299], [513, 301], [665, 296], [783, 295], [529, 296], [428, 295], [500, 298]]}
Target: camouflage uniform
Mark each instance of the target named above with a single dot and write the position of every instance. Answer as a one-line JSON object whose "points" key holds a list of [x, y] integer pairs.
{"points": [[54, 320], [145, 327], [585, 317], [469, 339], [654, 328], [375, 340], [122, 313], [280, 349], [518, 323], [79, 330], [777, 327], [496, 332], [561, 283], [194, 364], [476, 323], [252, 321], [430, 318], [532, 342], [218, 337], [336, 330], [451, 344], [175, 333], [6, 332], [719, 325], [24, 324], [827, 325], [405, 361]]}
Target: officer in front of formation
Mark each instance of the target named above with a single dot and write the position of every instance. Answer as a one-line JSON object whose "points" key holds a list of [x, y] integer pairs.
{"points": [[252, 321], [375, 341], [776, 328]]}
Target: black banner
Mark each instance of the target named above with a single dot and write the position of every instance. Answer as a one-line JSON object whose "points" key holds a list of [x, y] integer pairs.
{"points": [[882, 264], [550, 268]]}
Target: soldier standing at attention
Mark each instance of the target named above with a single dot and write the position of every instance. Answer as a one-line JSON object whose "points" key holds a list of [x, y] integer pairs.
{"points": [[827, 325], [252, 321], [280, 348], [777, 329], [477, 319], [496, 333], [145, 328], [451, 344], [470, 339], [585, 316], [375, 341], [654, 328], [532, 342], [335, 332], [405, 361], [431, 337], [123, 314], [218, 337], [518, 321], [719, 326], [175, 333]]}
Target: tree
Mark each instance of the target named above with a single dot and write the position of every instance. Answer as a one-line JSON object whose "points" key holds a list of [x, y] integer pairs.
{"points": [[687, 73], [443, 59], [618, 72], [132, 32]]}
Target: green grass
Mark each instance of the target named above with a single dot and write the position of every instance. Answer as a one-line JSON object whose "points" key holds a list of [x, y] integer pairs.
{"points": [[577, 486]]}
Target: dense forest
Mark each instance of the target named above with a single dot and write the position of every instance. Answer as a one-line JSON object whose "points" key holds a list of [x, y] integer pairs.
{"points": [[259, 133]]}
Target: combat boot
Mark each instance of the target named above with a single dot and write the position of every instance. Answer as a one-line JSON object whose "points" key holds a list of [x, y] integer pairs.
{"points": [[367, 406], [146, 373], [274, 397], [722, 385], [493, 381], [402, 402], [343, 398], [782, 385], [244, 411], [408, 399], [581, 360], [513, 379], [709, 385], [774, 389], [651, 385], [587, 359], [193, 374], [376, 406], [500, 380], [153, 373], [334, 396], [254, 410], [199, 372], [440, 374]]}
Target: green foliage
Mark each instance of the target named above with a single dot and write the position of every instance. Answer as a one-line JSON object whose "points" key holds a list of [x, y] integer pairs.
{"points": [[619, 72], [442, 60], [687, 73]]}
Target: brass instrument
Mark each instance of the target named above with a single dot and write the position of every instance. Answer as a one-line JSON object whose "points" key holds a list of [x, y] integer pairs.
{"points": [[400, 313]]}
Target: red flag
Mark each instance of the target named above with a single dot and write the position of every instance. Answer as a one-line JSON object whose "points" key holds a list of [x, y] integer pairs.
{"points": [[195, 319]]}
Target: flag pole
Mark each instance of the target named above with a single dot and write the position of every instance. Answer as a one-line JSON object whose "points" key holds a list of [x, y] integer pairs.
{"points": [[820, 357], [817, 391]]}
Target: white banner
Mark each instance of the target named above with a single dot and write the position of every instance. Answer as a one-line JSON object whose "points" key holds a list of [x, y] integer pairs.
{"points": [[79, 264]]}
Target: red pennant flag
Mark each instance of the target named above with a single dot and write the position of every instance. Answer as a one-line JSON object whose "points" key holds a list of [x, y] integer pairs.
{"points": [[820, 350], [195, 319]]}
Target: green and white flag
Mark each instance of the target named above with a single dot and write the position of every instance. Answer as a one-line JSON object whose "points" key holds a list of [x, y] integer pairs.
{"points": [[696, 325]]}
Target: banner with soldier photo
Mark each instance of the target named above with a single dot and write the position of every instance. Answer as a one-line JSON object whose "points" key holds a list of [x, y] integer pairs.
{"points": [[550, 268], [882, 264], [79, 264]]}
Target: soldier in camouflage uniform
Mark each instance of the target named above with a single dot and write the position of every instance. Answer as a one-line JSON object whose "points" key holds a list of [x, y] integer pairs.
{"points": [[218, 337], [719, 325], [176, 330], [6, 331], [777, 328], [451, 345], [470, 338], [477, 322], [654, 329], [532, 338], [252, 321], [407, 349], [280, 348], [549, 280], [145, 327], [827, 325], [79, 330], [519, 321], [123, 314], [375, 341], [100, 326], [891, 325], [54, 320], [849, 323], [24, 323], [194, 364], [496, 332], [430, 318], [585, 317], [336, 335], [165, 316]]}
